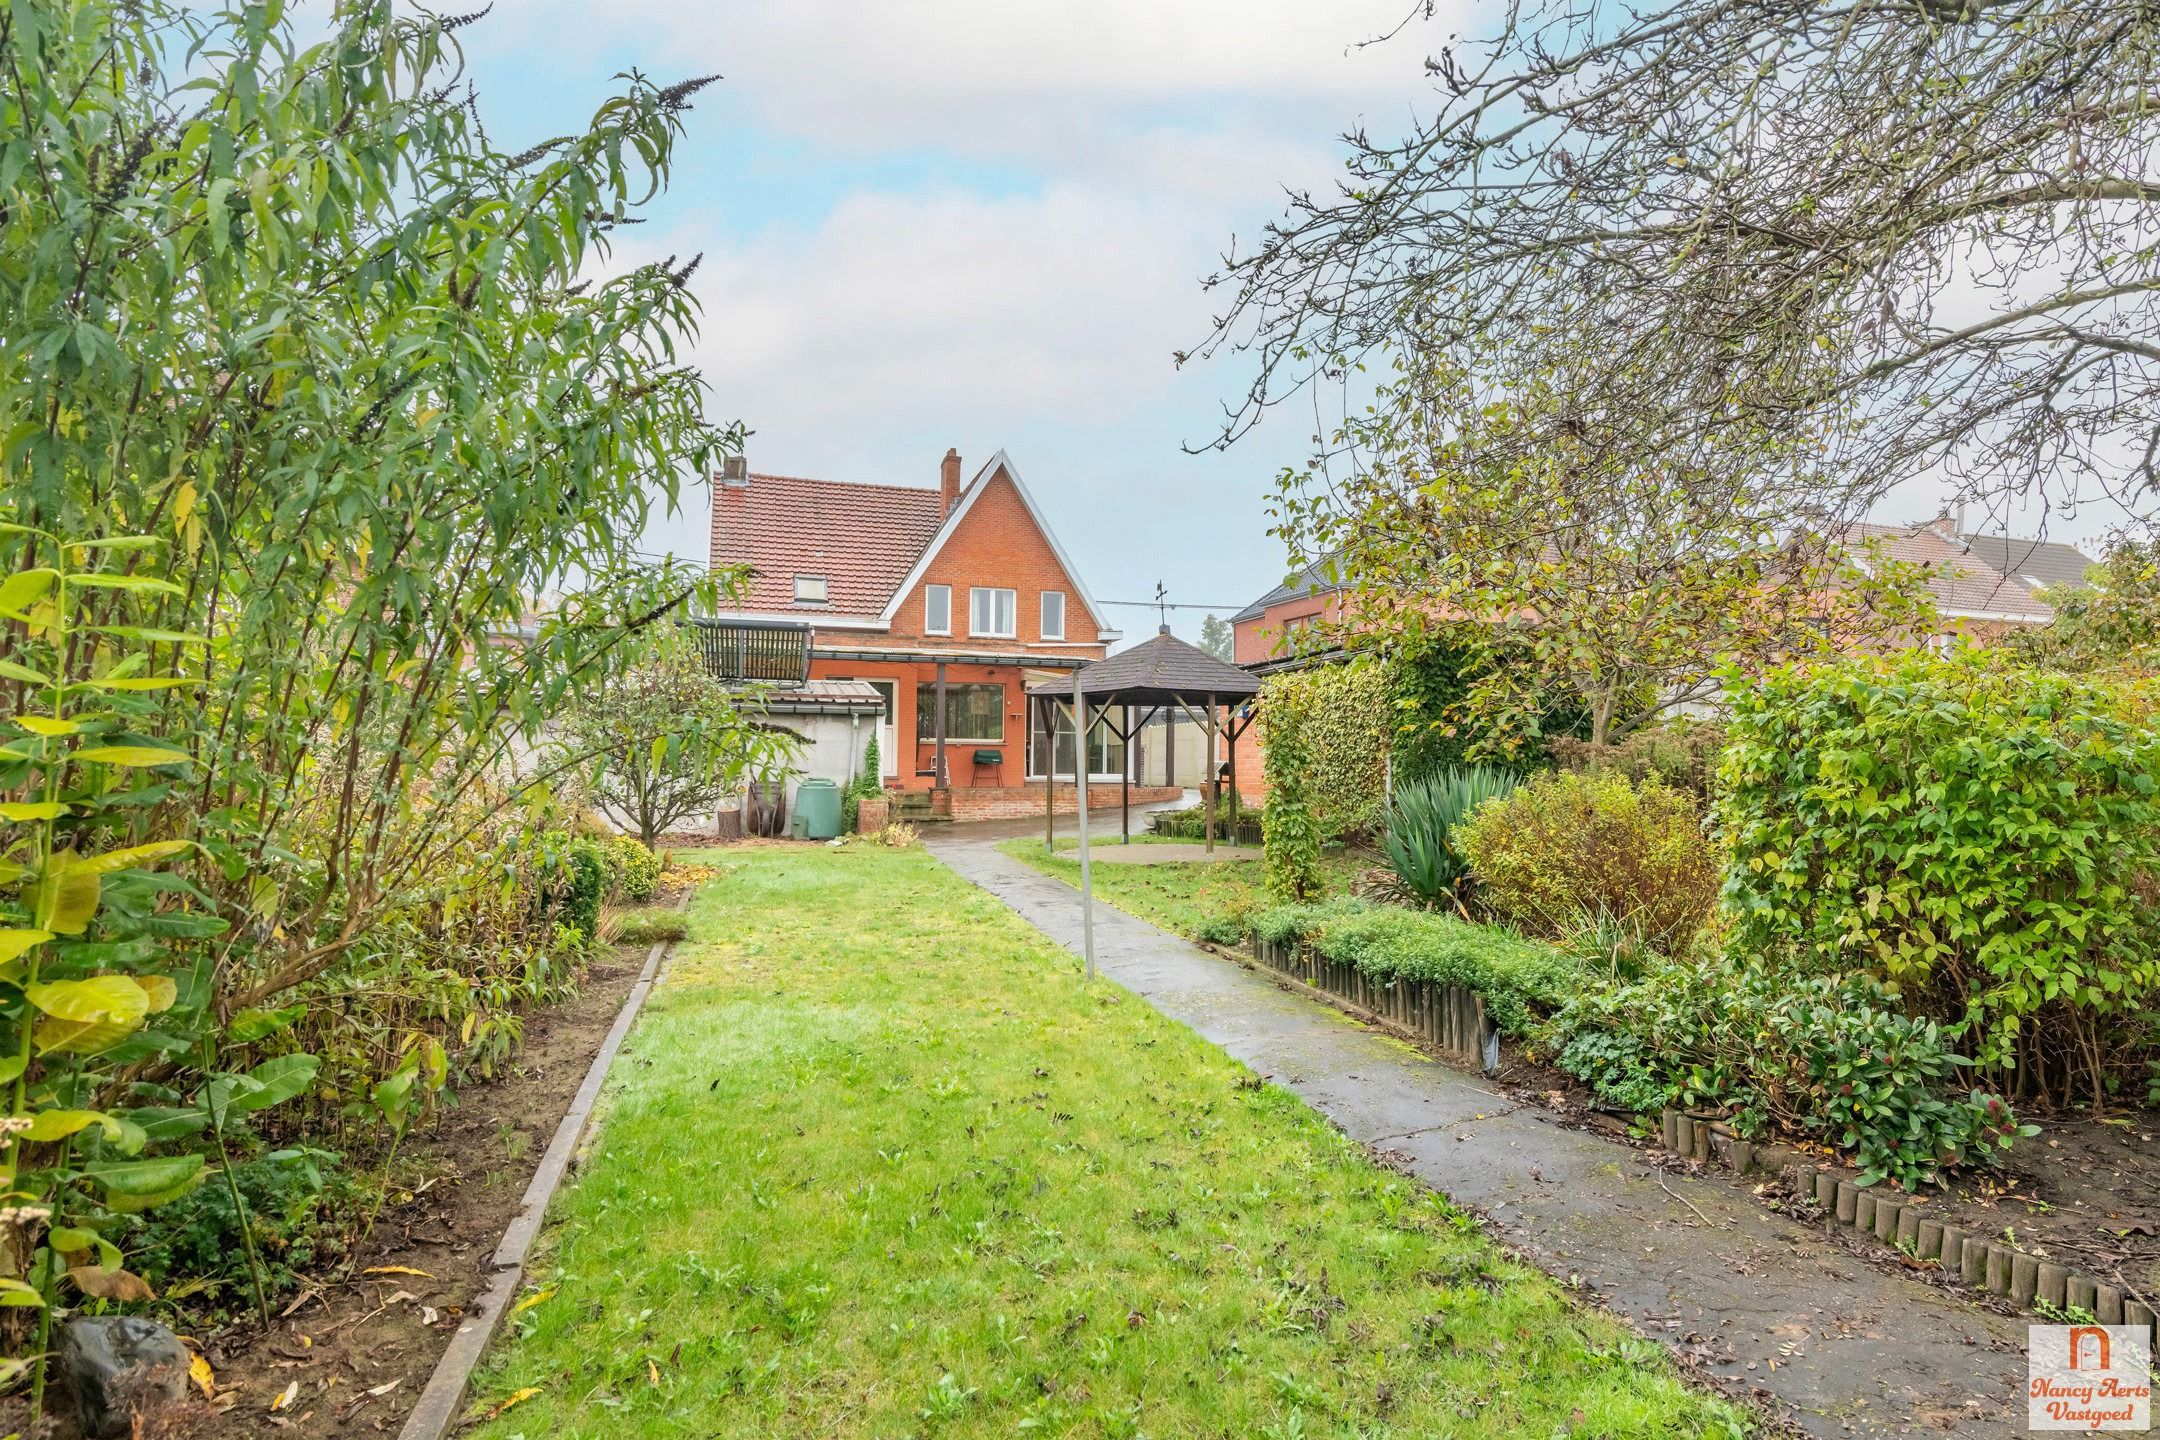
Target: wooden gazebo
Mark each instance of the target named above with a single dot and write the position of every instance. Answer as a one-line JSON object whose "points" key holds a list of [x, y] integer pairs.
{"points": [[1160, 674]]}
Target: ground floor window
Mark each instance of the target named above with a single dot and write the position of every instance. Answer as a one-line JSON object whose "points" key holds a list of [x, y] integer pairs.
{"points": [[972, 712], [1106, 753]]}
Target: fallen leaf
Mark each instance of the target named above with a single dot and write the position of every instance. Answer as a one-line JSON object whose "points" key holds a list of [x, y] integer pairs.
{"points": [[199, 1371], [516, 1397], [385, 1388], [652, 1371], [533, 1299], [396, 1270], [111, 1284], [286, 1396]]}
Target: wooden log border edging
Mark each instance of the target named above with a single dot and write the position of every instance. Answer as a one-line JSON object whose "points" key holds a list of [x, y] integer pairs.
{"points": [[1894, 1219], [1448, 1018], [438, 1410]]}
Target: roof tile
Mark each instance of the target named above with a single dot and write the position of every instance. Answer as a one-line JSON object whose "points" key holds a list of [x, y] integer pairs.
{"points": [[863, 538]]}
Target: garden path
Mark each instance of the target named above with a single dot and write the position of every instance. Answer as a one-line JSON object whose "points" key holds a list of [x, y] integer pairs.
{"points": [[1751, 1297]]}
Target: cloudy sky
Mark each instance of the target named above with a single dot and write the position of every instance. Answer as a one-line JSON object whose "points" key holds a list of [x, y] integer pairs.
{"points": [[983, 225]]}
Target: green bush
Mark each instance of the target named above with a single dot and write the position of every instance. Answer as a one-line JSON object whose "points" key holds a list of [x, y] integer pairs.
{"points": [[1420, 844], [1680, 753], [1289, 829], [1780, 1051], [1344, 724], [573, 880], [1520, 979], [1562, 850], [631, 871], [294, 1199], [1191, 824], [1984, 836]]}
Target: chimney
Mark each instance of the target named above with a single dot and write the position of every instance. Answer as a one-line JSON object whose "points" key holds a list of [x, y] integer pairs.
{"points": [[734, 470], [948, 482]]}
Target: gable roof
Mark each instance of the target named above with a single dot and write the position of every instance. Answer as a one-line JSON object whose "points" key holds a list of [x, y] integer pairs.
{"points": [[1960, 577], [974, 491], [1312, 580], [861, 537], [870, 542], [1158, 670], [2044, 562]]}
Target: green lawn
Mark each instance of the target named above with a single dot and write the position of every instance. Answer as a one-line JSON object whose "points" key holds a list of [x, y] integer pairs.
{"points": [[1205, 901], [877, 1163]]}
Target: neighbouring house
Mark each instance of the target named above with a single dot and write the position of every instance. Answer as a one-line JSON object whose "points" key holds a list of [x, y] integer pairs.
{"points": [[946, 603], [1985, 586]]}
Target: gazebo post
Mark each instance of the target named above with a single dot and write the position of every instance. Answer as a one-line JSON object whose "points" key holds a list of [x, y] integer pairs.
{"points": [[1207, 794]]}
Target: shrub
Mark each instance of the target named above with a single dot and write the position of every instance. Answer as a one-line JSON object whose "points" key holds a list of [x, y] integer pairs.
{"points": [[294, 1199], [1681, 753], [1808, 1054], [1986, 837], [573, 880], [1420, 844], [1520, 979], [1191, 824], [1343, 722], [1289, 830], [631, 870], [1563, 849]]}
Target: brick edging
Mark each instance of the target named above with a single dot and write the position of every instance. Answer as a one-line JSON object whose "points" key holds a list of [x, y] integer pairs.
{"points": [[1993, 1266]]}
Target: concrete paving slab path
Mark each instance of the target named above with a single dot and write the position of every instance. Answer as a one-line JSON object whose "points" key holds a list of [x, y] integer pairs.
{"points": [[1842, 1347]]}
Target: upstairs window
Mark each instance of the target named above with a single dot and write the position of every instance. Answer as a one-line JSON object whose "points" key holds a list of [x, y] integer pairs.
{"points": [[1053, 615], [992, 613], [937, 609], [810, 590]]}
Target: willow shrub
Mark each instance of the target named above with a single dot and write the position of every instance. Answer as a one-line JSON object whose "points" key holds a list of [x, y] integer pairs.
{"points": [[1984, 836], [1565, 850]]}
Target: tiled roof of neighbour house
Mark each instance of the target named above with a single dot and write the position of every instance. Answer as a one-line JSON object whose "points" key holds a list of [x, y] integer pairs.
{"points": [[1314, 579], [862, 538], [2044, 562], [1963, 582], [1157, 671]]}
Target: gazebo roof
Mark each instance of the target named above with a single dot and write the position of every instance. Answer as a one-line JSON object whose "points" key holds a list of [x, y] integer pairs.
{"points": [[1157, 672]]}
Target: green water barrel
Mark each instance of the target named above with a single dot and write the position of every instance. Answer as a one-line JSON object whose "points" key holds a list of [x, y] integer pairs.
{"points": [[817, 804]]}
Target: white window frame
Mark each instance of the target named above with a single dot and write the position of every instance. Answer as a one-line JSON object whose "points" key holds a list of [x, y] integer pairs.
{"points": [[823, 586], [940, 591], [1057, 633], [1012, 612]]}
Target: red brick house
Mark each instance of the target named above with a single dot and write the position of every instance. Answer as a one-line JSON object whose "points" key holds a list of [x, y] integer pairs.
{"points": [[915, 590]]}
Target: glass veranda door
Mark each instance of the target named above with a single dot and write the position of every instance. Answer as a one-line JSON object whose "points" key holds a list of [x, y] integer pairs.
{"points": [[1106, 753]]}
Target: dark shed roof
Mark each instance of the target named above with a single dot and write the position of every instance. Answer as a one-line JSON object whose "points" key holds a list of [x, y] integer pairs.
{"points": [[1157, 672]]}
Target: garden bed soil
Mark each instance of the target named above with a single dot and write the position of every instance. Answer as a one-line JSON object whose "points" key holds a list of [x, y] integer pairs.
{"points": [[2083, 1192], [358, 1352]]}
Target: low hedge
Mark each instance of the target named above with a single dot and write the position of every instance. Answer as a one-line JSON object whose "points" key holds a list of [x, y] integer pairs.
{"points": [[1520, 980]]}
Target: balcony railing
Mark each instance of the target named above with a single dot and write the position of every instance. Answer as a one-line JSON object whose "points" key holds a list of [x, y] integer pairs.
{"points": [[755, 652]]}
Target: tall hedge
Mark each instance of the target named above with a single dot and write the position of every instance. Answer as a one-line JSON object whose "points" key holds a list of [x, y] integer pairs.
{"points": [[1985, 836], [1345, 721]]}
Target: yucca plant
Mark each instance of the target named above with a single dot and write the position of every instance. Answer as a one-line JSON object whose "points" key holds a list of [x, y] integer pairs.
{"points": [[1421, 819]]}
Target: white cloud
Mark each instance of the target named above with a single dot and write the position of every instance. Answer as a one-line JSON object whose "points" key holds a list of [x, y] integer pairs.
{"points": [[992, 76]]}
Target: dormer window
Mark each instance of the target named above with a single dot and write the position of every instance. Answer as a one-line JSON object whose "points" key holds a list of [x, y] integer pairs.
{"points": [[810, 590]]}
